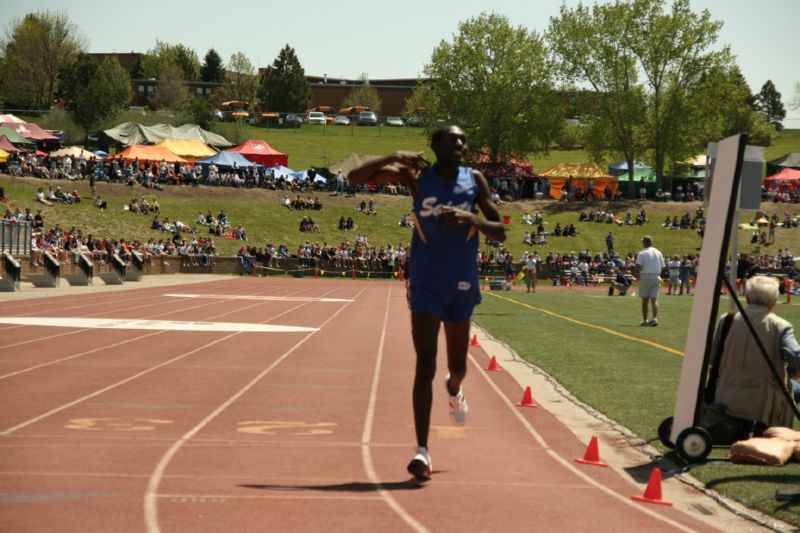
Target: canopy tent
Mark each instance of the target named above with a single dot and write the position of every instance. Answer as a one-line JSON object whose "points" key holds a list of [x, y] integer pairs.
{"points": [[31, 131], [580, 173], [100, 153], [790, 160], [73, 151], [789, 176], [646, 174], [511, 169], [225, 160], [12, 119], [280, 171], [261, 152], [129, 133], [3, 156], [302, 175], [351, 162], [619, 167], [15, 138], [6, 145], [191, 150], [149, 153]]}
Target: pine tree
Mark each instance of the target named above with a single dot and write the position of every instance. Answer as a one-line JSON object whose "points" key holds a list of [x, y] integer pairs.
{"points": [[769, 103], [284, 87], [212, 70]]}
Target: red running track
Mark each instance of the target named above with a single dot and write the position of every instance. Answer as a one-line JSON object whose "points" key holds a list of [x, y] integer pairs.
{"points": [[163, 430]]}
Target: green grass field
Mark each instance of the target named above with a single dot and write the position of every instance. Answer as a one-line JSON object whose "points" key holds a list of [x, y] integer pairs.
{"points": [[629, 381]]}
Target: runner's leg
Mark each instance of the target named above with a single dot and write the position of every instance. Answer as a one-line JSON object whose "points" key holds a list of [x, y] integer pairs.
{"points": [[425, 333]]}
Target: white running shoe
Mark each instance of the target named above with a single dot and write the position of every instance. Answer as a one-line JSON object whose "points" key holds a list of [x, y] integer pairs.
{"points": [[458, 404], [421, 466]]}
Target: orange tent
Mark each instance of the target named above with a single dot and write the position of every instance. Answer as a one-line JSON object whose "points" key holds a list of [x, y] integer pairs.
{"points": [[580, 174], [145, 152]]}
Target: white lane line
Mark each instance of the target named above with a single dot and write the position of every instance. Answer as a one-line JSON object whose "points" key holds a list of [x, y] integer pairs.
{"points": [[162, 325], [567, 464], [151, 494], [127, 309], [101, 348], [264, 298], [131, 378], [366, 436]]}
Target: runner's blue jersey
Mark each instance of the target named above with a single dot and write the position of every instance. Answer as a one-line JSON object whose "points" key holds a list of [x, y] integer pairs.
{"points": [[444, 258]]}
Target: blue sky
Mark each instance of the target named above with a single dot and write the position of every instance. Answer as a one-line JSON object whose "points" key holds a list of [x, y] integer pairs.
{"points": [[391, 40]]}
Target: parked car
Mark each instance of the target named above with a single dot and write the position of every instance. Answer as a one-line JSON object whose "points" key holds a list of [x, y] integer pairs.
{"points": [[415, 120], [315, 117], [292, 120], [395, 121], [367, 118], [341, 120]]}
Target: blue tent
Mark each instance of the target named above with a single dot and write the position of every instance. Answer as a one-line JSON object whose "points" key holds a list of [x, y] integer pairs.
{"points": [[225, 160], [621, 167], [280, 171]]}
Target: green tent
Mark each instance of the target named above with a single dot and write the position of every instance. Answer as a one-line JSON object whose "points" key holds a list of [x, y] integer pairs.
{"points": [[648, 174], [15, 138]]}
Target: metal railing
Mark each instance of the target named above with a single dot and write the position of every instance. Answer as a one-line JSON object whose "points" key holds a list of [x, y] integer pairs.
{"points": [[15, 238]]}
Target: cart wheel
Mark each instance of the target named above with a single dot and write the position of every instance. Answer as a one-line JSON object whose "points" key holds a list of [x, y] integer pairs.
{"points": [[664, 431], [694, 444]]}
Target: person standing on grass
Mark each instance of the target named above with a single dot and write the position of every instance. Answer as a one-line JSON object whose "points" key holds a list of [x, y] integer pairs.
{"points": [[443, 274], [650, 262]]}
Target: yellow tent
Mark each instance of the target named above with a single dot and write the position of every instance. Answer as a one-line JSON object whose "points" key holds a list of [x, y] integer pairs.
{"points": [[188, 149], [3, 156], [580, 174]]}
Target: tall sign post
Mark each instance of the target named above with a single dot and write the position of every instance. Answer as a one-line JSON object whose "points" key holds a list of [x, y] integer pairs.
{"points": [[722, 192]]}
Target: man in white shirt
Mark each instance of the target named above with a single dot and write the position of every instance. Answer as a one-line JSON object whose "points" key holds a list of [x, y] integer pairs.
{"points": [[650, 262]]}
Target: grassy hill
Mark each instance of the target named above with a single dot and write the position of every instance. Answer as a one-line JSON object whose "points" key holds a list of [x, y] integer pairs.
{"points": [[267, 222]]}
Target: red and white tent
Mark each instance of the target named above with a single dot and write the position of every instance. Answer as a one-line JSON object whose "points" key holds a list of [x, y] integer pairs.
{"points": [[262, 153], [11, 118], [789, 176], [30, 131]]}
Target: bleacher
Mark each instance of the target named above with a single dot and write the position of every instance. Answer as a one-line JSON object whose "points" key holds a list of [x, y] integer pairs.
{"points": [[117, 271], [51, 276], [83, 274]]}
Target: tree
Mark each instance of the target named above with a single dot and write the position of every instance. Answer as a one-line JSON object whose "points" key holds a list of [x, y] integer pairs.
{"points": [[107, 92], [212, 69], [425, 106], [795, 103], [364, 95], [34, 51], [284, 87], [587, 46], [497, 84], [171, 92], [240, 82], [660, 58], [74, 77], [201, 112], [768, 101], [163, 54]]}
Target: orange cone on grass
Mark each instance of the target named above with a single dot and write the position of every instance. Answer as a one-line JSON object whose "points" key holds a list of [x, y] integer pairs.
{"points": [[474, 341], [652, 494], [493, 365], [527, 399], [592, 455]]}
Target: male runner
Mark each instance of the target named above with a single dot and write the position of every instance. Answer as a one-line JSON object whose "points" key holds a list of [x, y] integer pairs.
{"points": [[443, 275]]}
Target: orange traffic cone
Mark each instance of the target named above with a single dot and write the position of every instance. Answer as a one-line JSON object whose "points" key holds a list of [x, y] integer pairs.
{"points": [[652, 494], [592, 455], [527, 399], [493, 365], [474, 341]]}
